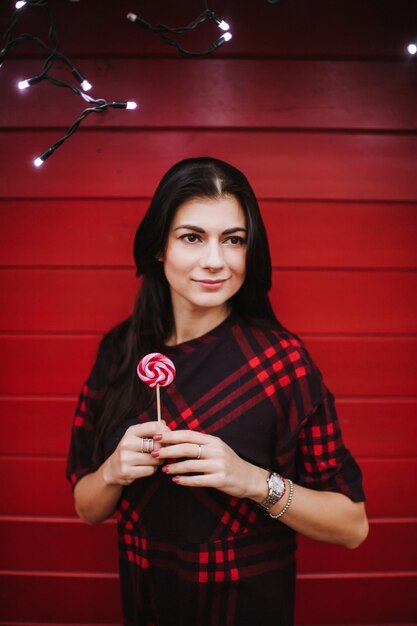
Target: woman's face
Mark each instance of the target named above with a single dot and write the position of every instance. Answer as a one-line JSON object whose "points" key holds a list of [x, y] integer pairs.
{"points": [[205, 255]]}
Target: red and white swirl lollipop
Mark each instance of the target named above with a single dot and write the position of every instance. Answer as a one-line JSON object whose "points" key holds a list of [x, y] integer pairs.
{"points": [[156, 369]]}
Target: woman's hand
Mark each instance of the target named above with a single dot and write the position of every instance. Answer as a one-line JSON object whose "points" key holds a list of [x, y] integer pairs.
{"points": [[132, 458], [214, 462]]}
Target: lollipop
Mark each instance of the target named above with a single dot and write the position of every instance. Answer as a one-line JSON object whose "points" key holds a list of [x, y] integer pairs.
{"points": [[156, 369]]}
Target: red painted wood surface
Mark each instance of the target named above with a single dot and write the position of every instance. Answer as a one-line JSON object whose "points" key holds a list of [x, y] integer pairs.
{"points": [[381, 167], [359, 600], [56, 596], [354, 235], [245, 94]]}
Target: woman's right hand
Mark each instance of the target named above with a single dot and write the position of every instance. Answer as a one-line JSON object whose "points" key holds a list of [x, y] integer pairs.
{"points": [[130, 460]]}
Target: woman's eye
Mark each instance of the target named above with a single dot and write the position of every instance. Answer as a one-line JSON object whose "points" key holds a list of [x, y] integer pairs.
{"points": [[190, 237], [235, 240]]}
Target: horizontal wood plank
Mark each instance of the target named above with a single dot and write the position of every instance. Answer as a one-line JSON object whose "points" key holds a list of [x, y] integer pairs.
{"points": [[379, 427], [368, 600], [346, 302], [60, 598], [50, 494], [94, 300], [352, 235], [225, 93], [293, 165], [36, 426], [63, 546], [352, 366], [52, 544], [50, 597], [362, 366], [371, 556], [259, 29]]}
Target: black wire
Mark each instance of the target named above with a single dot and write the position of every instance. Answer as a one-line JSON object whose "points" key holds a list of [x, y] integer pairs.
{"points": [[99, 104], [189, 53], [179, 30], [100, 108], [159, 31]]}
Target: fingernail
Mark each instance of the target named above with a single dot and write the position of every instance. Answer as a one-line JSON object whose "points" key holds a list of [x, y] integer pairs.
{"points": [[157, 437], [175, 479], [155, 454], [165, 469]]}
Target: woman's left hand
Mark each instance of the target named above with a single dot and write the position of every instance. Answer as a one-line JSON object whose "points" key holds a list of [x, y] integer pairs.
{"points": [[213, 463]]}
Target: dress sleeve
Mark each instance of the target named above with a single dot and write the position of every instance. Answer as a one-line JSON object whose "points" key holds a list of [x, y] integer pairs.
{"points": [[323, 462], [80, 456]]}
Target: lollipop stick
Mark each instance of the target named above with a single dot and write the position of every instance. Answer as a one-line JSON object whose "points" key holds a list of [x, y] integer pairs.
{"points": [[158, 403]]}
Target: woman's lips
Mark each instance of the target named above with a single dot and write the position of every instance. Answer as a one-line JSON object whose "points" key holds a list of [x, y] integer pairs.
{"points": [[210, 283]]}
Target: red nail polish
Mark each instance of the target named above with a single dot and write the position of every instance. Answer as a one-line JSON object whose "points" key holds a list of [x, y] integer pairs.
{"points": [[175, 479], [165, 469], [155, 454], [157, 437]]}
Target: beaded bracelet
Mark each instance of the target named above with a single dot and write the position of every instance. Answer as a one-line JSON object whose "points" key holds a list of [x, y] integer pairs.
{"points": [[286, 507]]}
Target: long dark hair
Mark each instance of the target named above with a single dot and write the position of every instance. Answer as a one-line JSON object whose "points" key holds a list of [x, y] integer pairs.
{"points": [[152, 320]]}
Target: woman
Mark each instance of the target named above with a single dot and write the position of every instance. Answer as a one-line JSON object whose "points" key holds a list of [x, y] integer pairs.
{"points": [[209, 501]]}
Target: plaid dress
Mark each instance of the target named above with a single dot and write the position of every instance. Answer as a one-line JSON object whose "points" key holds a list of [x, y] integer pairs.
{"points": [[198, 557]]}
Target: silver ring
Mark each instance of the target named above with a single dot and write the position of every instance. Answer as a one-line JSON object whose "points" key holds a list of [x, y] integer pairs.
{"points": [[199, 452], [147, 445]]}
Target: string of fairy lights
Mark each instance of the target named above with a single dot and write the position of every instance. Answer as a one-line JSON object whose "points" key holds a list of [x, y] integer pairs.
{"points": [[166, 34], [161, 31], [50, 48]]}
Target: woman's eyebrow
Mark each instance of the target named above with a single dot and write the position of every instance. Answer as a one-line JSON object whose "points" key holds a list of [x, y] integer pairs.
{"points": [[191, 227], [198, 229]]}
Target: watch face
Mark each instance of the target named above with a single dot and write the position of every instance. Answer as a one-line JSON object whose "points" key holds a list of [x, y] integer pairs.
{"points": [[277, 484]]}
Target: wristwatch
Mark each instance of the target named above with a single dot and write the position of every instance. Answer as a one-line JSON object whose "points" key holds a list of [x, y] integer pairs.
{"points": [[276, 485]]}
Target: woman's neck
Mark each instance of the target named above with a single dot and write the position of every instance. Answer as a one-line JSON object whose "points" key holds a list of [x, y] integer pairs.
{"points": [[191, 324]]}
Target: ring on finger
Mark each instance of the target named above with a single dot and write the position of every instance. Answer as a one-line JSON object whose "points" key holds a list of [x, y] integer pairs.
{"points": [[147, 445], [199, 452]]}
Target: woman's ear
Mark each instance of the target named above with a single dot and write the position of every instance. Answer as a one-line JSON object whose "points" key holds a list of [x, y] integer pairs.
{"points": [[159, 257]]}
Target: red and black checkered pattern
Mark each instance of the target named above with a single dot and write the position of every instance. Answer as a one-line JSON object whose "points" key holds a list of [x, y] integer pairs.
{"points": [[194, 556]]}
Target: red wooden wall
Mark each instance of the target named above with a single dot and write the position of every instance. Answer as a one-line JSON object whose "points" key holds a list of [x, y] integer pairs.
{"points": [[317, 103]]}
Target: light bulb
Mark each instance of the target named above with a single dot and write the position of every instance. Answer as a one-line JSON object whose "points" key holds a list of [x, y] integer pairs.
{"points": [[40, 160], [226, 37], [20, 4], [28, 82], [85, 85], [223, 25], [412, 48], [131, 105], [23, 84], [220, 23]]}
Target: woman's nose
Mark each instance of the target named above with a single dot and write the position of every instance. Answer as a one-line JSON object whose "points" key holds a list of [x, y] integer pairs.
{"points": [[212, 257]]}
